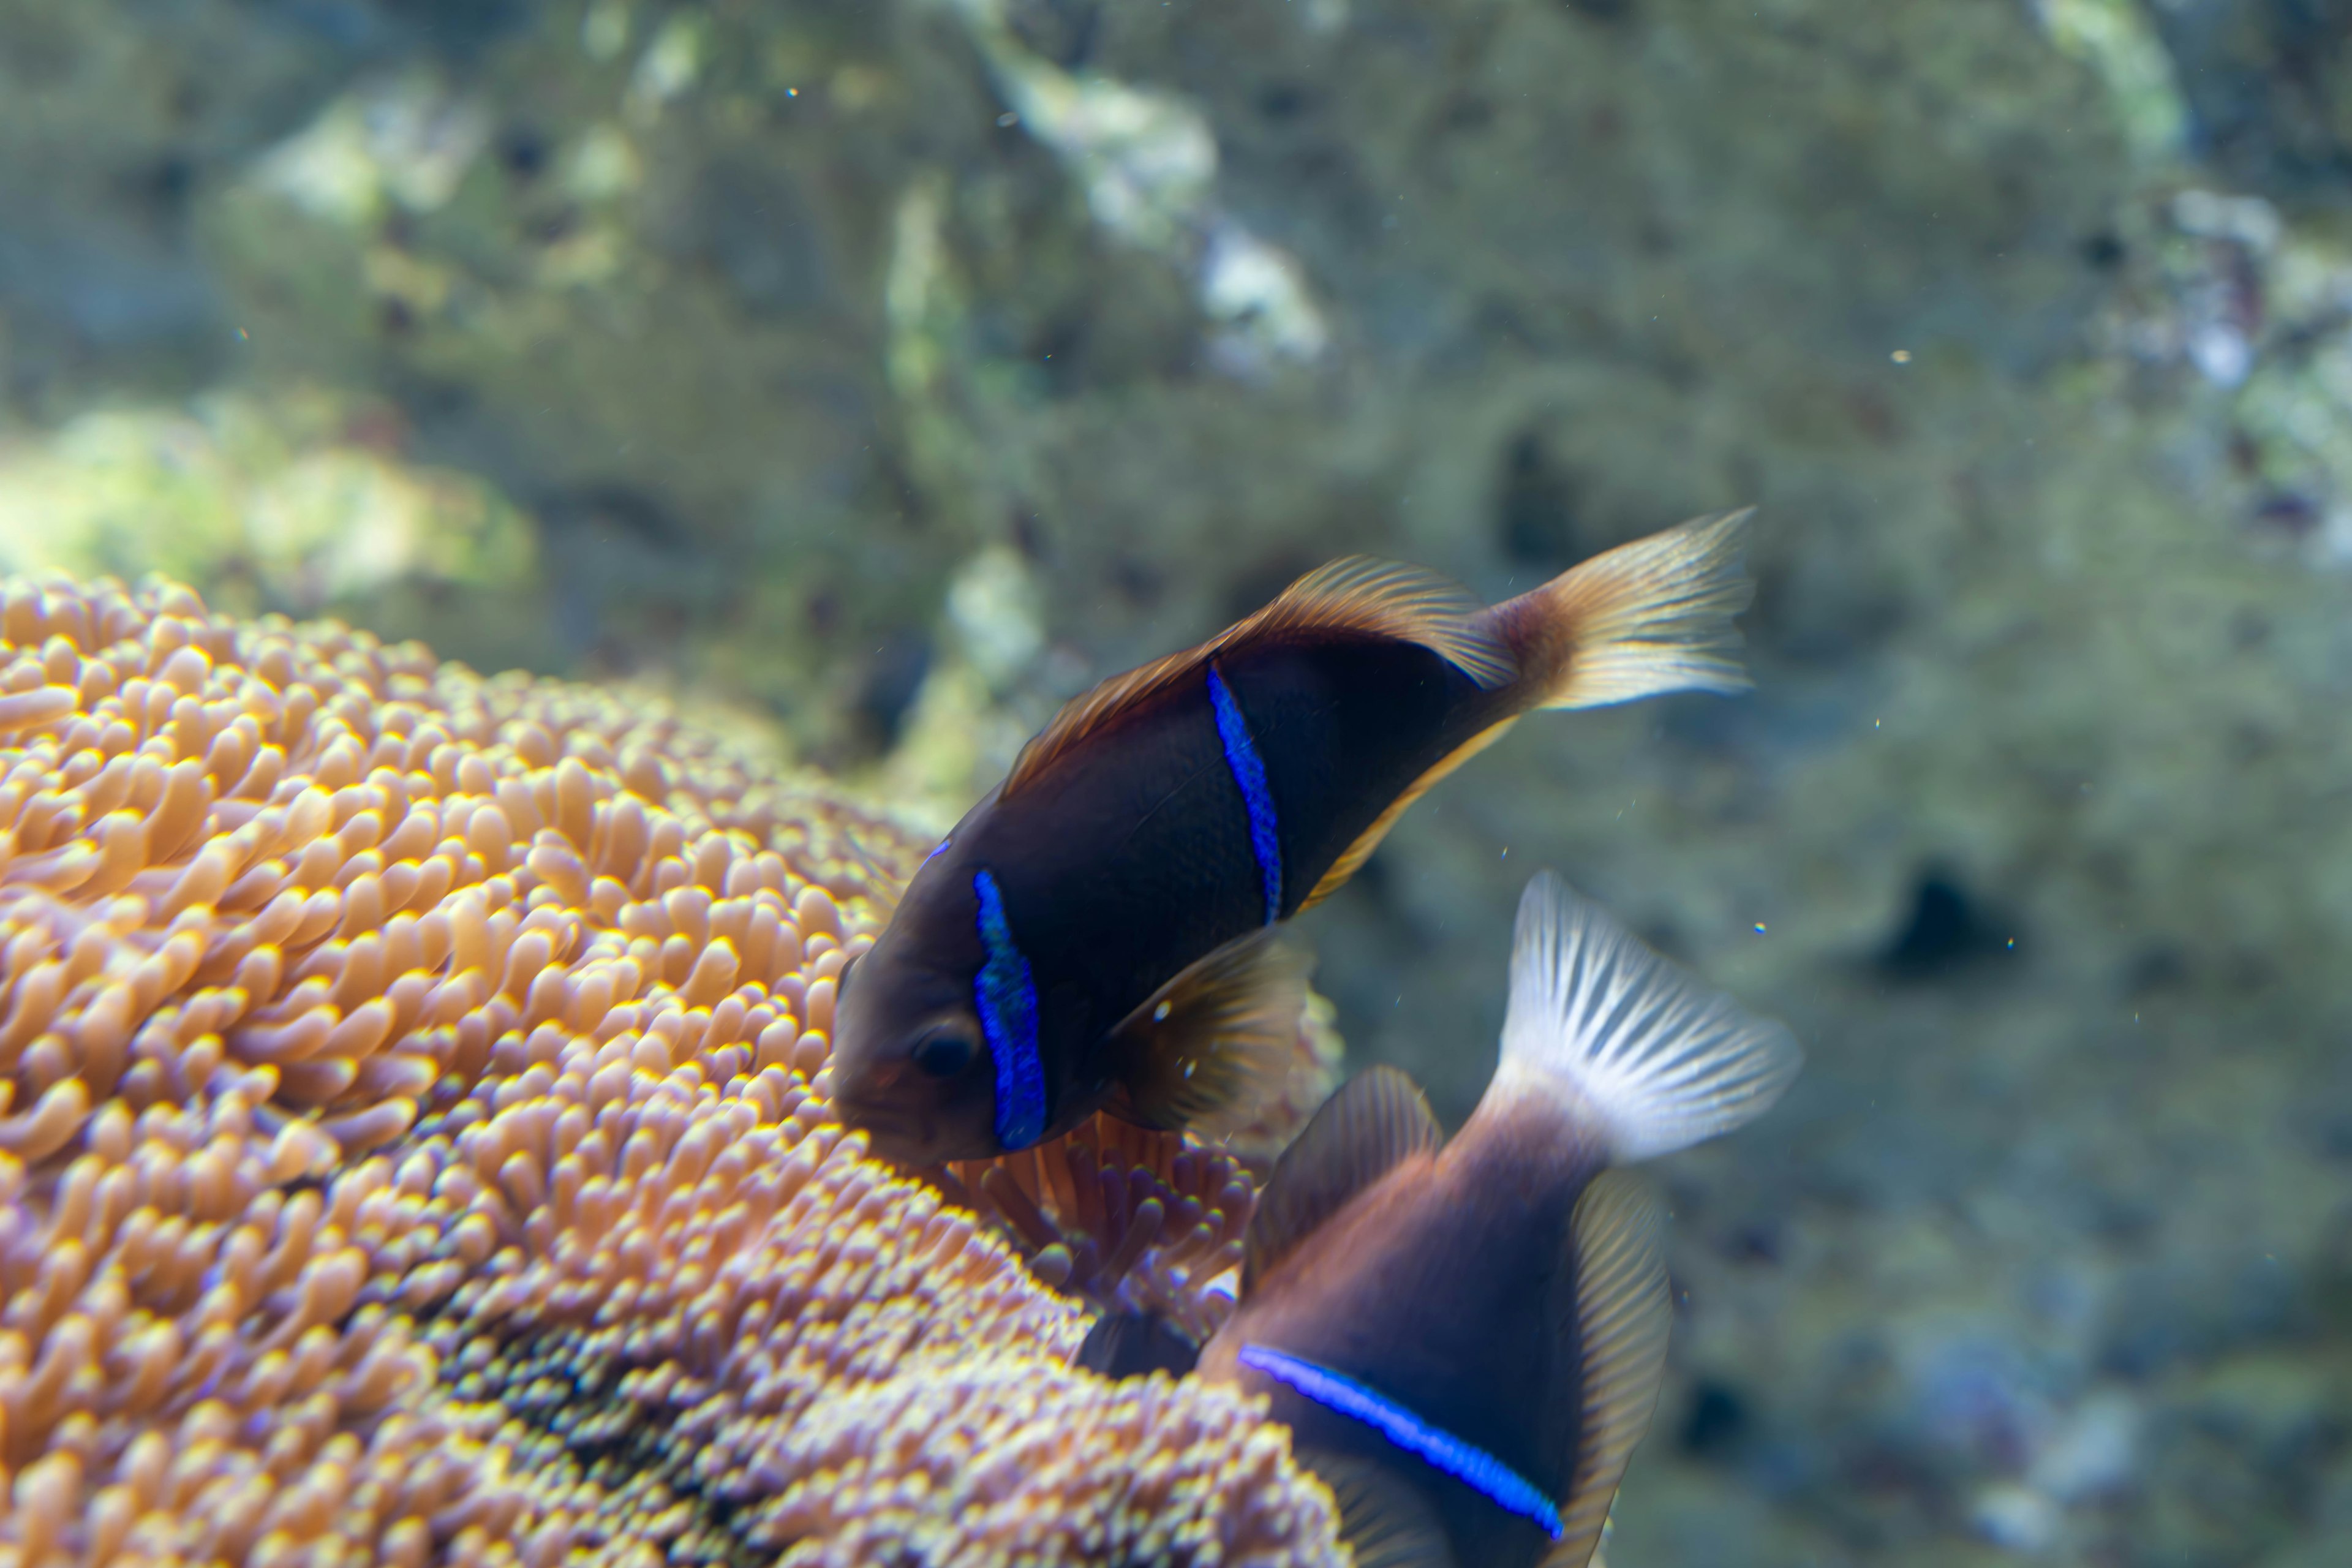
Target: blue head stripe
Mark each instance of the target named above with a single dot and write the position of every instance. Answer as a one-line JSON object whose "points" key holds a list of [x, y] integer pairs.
{"points": [[1465, 1462], [1249, 773], [1007, 1001]]}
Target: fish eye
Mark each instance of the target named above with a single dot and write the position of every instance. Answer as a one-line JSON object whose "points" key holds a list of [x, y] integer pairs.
{"points": [[945, 1052]]}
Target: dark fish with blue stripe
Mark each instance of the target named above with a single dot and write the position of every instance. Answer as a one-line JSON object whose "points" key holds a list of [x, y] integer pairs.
{"points": [[1467, 1337], [1102, 930]]}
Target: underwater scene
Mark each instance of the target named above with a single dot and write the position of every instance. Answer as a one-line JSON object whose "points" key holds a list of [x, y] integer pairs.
{"points": [[1417, 782]]}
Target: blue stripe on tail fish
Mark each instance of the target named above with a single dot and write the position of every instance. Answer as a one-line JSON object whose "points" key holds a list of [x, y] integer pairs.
{"points": [[1465, 1462], [1152, 843]]}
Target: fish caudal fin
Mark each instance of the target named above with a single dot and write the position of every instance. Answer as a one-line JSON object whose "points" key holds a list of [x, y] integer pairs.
{"points": [[1642, 620], [1206, 1048], [1376, 1121], [1658, 1060], [1611, 1312], [1385, 1521]]}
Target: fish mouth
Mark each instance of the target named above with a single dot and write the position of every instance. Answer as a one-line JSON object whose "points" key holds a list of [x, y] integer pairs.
{"points": [[890, 1133]]}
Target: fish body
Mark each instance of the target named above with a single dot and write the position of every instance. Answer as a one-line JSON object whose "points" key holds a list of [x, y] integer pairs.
{"points": [[1435, 1289], [1122, 885], [1465, 1338]]}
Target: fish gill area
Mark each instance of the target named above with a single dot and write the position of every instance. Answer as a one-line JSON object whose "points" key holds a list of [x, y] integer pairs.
{"points": [[873, 375]]}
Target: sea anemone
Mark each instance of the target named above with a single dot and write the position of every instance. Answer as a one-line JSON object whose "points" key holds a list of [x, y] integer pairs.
{"points": [[1139, 1221], [412, 1148], [1145, 1222]]}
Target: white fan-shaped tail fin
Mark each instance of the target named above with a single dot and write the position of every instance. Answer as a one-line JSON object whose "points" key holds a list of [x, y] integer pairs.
{"points": [[1660, 1061]]}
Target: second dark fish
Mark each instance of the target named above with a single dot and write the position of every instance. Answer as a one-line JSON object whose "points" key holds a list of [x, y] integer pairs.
{"points": [[1101, 930], [1466, 1338]]}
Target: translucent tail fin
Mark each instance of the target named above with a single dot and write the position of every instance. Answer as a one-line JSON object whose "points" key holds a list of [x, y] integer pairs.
{"points": [[1660, 1061], [1643, 619]]}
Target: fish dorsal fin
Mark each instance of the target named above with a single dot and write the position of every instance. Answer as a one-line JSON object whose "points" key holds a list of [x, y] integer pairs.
{"points": [[1209, 1045], [1357, 593], [1365, 594], [1379, 1119], [1110, 701], [1351, 860], [1610, 1311], [1385, 1521]]}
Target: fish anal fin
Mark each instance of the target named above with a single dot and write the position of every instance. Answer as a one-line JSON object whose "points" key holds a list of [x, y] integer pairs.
{"points": [[1356, 595], [1384, 1520], [1207, 1048], [1379, 1119], [1610, 1313], [1557, 1556], [1351, 860]]}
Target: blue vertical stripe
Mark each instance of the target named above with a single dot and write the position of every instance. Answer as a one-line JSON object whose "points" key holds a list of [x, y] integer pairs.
{"points": [[1249, 773], [1007, 1000], [1465, 1462]]}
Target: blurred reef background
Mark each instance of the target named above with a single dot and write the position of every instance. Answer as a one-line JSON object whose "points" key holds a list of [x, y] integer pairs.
{"points": [[884, 372]]}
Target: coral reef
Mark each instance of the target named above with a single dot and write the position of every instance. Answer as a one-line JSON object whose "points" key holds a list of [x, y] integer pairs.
{"points": [[2268, 87], [414, 1149], [704, 459], [299, 503]]}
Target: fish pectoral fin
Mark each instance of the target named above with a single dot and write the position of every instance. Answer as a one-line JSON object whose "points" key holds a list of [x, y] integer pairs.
{"points": [[1351, 860], [1377, 1119], [1610, 1310], [1384, 1518], [1207, 1048], [1356, 595]]}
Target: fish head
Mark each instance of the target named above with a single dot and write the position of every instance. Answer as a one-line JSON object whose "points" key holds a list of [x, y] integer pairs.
{"points": [[911, 1061]]}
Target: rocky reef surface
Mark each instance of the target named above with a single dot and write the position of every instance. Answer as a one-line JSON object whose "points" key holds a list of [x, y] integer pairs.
{"points": [[893, 370]]}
